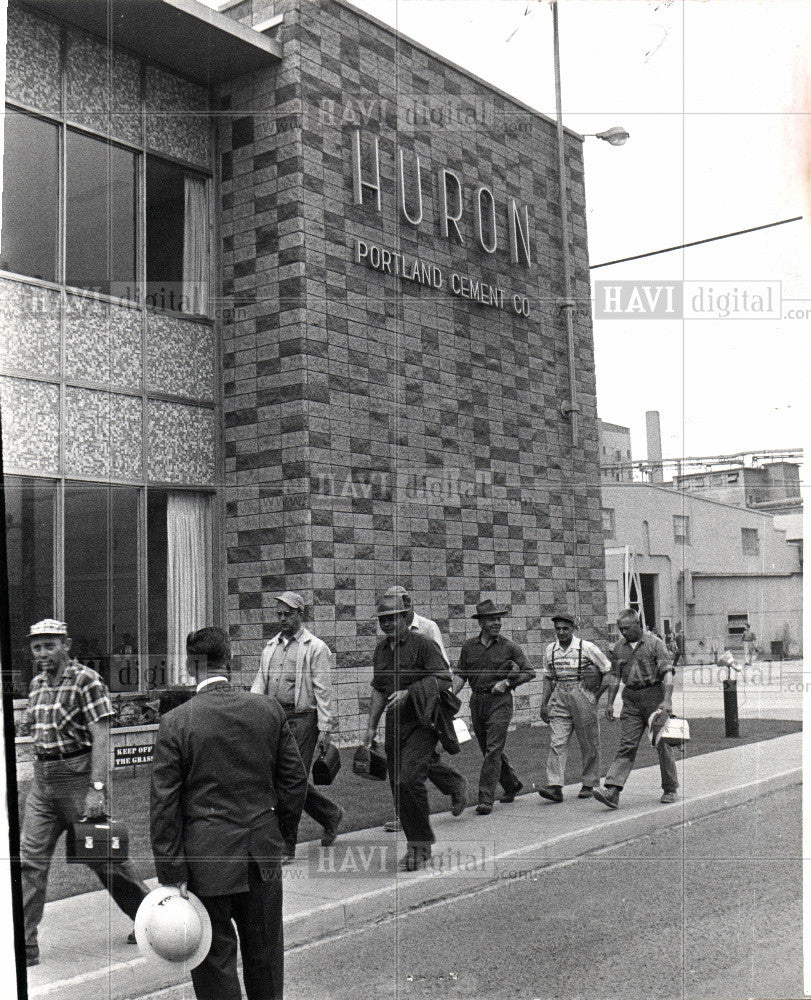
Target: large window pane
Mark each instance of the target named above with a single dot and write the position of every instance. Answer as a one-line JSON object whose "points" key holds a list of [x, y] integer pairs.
{"points": [[100, 207], [30, 542], [101, 592], [30, 197], [177, 258], [157, 544]]}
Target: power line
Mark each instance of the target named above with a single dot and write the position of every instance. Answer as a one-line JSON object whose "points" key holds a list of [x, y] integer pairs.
{"points": [[695, 243]]}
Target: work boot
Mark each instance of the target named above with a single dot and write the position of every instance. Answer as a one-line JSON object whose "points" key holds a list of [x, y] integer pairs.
{"points": [[510, 795], [668, 797], [585, 792], [393, 826], [459, 799], [609, 796], [31, 955], [554, 793], [484, 809], [415, 858], [331, 829], [131, 939]]}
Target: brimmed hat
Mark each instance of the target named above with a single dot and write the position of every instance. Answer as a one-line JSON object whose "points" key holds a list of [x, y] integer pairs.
{"points": [[486, 608], [565, 616], [391, 604], [188, 927], [399, 592], [48, 626], [292, 600]]}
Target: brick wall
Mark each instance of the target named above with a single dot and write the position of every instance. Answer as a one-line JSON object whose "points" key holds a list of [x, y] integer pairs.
{"points": [[377, 430]]}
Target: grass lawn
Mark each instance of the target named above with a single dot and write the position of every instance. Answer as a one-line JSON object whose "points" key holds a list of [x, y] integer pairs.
{"points": [[368, 804]]}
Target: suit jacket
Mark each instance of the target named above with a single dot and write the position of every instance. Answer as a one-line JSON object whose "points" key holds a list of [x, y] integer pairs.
{"points": [[314, 660], [228, 786]]}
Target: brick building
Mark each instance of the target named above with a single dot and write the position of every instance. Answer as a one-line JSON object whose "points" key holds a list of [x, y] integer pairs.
{"points": [[282, 313]]}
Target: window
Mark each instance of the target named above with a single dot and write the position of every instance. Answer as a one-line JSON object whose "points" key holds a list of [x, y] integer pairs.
{"points": [[681, 529], [176, 237], [100, 216], [608, 522], [732, 477], [735, 625], [750, 541], [30, 197]]}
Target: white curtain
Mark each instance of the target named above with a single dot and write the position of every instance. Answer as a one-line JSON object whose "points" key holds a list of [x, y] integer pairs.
{"points": [[188, 576], [195, 245]]}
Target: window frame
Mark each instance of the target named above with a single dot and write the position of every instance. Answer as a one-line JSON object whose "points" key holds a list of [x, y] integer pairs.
{"points": [[680, 538], [753, 534]]}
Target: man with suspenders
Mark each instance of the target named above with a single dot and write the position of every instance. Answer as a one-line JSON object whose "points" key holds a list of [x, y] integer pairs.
{"points": [[575, 672]]}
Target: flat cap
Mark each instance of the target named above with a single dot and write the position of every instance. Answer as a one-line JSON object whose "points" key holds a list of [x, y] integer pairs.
{"points": [[48, 626], [565, 616], [292, 600]]}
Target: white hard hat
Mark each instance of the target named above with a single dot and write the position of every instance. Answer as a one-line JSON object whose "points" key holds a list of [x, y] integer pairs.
{"points": [[171, 930]]}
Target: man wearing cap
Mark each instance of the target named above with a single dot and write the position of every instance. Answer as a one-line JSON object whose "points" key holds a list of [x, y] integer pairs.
{"points": [[295, 670], [494, 667], [575, 673], [447, 779], [404, 658], [69, 710], [228, 786], [642, 663]]}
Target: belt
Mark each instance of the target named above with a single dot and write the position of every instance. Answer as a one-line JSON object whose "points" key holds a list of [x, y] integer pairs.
{"points": [[291, 709], [643, 687], [59, 755]]}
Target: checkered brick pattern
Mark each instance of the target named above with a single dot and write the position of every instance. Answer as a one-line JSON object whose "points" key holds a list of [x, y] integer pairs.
{"points": [[378, 431]]}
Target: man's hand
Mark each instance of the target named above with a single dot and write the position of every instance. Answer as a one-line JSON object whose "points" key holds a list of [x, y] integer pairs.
{"points": [[545, 714], [396, 698], [665, 706], [95, 804], [323, 743], [609, 710], [369, 738], [500, 687], [183, 890]]}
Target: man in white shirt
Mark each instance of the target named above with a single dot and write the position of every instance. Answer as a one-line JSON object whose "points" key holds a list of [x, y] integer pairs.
{"points": [[574, 678], [295, 670], [446, 778]]}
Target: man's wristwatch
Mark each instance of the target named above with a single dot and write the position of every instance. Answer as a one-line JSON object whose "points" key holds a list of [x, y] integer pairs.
{"points": [[99, 786]]}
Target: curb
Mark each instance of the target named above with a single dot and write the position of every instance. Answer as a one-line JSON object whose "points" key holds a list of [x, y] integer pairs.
{"points": [[414, 891]]}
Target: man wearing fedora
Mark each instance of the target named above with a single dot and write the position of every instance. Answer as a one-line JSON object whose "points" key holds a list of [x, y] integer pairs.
{"points": [[69, 710], [494, 667], [228, 786], [404, 658], [296, 670], [575, 673], [446, 778]]}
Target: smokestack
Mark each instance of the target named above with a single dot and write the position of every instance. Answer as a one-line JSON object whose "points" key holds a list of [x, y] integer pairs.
{"points": [[654, 432]]}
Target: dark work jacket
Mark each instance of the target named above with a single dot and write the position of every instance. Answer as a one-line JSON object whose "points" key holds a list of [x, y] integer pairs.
{"points": [[435, 705], [228, 786]]}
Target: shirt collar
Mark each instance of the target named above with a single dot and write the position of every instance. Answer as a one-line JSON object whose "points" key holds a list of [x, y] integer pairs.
{"points": [[211, 680], [396, 639]]}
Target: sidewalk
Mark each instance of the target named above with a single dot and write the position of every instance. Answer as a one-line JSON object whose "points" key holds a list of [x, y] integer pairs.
{"points": [[354, 883]]}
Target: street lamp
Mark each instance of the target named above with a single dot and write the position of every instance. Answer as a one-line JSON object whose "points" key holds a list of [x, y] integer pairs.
{"points": [[616, 135]]}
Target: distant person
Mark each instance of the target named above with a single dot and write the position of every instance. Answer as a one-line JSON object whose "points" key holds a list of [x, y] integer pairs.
{"points": [[749, 648], [494, 667], [69, 710], [295, 670], [642, 663], [676, 644], [228, 786], [447, 779], [575, 675]]}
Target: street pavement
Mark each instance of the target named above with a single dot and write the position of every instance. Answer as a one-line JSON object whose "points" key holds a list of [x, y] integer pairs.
{"points": [[355, 884]]}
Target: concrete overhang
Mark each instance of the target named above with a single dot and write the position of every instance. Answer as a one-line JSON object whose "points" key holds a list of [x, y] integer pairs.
{"points": [[183, 35]]}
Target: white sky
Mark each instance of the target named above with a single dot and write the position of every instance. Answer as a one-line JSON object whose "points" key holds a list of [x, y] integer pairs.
{"points": [[713, 95]]}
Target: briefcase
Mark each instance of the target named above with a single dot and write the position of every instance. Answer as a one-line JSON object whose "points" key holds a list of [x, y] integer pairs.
{"points": [[326, 765], [369, 762], [97, 840]]}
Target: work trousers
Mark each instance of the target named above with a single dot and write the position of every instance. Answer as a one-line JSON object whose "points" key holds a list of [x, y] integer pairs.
{"points": [[490, 716], [636, 710], [55, 802], [573, 710], [409, 749], [446, 778], [257, 914], [304, 727]]}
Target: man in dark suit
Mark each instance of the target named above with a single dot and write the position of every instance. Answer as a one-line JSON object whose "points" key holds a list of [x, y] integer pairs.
{"points": [[228, 787]]}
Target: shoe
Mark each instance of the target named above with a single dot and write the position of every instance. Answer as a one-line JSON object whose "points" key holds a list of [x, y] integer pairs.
{"points": [[415, 858], [483, 809], [510, 796], [553, 792], [609, 796], [585, 792], [31, 957], [459, 799], [393, 826], [668, 797], [331, 830], [131, 938]]}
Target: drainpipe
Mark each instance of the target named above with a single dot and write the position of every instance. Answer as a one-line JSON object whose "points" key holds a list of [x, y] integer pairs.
{"points": [[570, 407]]}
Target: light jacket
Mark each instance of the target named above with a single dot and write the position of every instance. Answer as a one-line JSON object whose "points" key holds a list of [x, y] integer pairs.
{"points": [[313, 687]]}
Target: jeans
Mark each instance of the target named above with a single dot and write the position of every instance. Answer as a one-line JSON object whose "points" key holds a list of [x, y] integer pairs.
{"points": [[55, 802], [490, 716]]}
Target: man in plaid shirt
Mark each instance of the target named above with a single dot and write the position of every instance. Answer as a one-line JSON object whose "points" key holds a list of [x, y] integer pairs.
{"points": [[69, 710]]}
